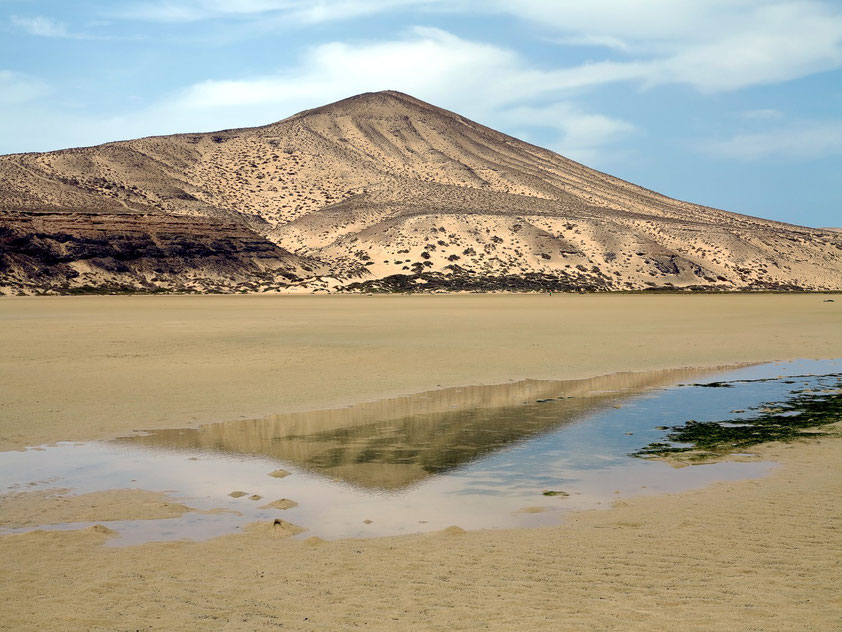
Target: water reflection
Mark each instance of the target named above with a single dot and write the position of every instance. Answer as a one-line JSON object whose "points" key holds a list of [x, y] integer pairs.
{"points": [[477, 457], [391, 444]]}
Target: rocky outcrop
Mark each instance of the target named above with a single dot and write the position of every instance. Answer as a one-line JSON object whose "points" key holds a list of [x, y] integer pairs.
{"points": [[138, 252]]}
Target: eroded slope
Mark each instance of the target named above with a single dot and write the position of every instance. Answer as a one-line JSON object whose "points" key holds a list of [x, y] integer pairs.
{"points": [[391, 192]]}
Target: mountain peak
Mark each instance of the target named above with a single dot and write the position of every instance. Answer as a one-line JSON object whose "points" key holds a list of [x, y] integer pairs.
{"points": [[381, 96], [385, 191], [383, 103]]}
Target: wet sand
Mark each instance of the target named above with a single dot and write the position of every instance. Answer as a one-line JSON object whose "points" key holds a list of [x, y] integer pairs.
{"points": [[749, 555], [76, 368], [59, 505]]}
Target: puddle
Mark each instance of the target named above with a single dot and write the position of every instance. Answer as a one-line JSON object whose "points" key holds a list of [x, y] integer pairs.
{"points": [[476, 457]]}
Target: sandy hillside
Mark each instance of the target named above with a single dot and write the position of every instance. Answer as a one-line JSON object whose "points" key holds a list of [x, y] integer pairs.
{"points": [[394, 193]]}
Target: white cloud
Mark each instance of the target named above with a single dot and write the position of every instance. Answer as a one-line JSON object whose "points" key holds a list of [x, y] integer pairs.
{"points": [[41, 26], [428, 63], [195, 10], [305, 11], [17, 89], [601, 41], [484, 82], [490, 84], [782, 44], [806, 141], [642, 21], [712, 45], [581, 135], [327, 10]]}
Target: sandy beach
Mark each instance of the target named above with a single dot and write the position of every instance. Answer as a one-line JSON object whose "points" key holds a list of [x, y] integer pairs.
{"points": [[754, 555], [77, 368], [749, 555]]}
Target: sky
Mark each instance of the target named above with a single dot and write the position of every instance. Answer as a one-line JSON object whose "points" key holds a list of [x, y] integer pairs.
{"points": [[735, 104]]}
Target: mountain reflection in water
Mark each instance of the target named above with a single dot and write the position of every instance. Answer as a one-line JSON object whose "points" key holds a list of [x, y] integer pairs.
{"points": [[394, 443]]}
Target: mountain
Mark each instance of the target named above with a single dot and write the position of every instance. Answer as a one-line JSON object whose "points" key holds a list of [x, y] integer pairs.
{"points": [[380, 191]]}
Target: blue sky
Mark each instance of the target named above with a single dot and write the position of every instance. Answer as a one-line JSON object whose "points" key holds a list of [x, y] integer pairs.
{"points": [[732, 103]]}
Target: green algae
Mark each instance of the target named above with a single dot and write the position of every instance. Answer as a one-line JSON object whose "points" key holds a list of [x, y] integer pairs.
{"points": [[806, 414]]}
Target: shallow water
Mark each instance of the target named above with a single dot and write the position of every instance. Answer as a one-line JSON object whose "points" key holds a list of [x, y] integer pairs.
{"points": [[476, 457]]}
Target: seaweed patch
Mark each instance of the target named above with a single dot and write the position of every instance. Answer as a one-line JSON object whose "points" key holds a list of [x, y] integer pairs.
{"points": [[801, 416]]}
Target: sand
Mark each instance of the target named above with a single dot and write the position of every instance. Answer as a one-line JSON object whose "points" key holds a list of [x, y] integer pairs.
{"points": [[75, 368], [59, 505], [748, 555], [752, 555], [281, 503]]}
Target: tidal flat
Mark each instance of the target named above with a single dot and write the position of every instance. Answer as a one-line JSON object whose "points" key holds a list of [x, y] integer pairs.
{"points": [[96, 367], [174, 374], [476, 457]]}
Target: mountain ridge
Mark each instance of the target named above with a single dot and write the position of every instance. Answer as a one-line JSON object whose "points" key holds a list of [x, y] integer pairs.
{"points": [[382, 191]]}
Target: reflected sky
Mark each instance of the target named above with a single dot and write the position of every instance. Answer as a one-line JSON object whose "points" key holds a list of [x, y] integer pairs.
{"points": [[394, 443], [475, 457]]}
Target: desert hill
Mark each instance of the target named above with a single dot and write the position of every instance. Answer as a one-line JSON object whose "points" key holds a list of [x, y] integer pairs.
{"points": [[379, 191]]}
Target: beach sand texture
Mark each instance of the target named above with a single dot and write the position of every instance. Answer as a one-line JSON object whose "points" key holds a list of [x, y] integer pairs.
{"points": [[750, 555], [58, 505], [75, 368]]}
